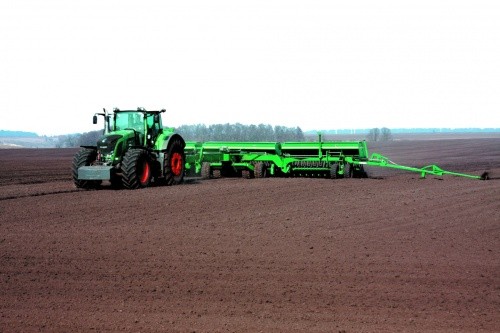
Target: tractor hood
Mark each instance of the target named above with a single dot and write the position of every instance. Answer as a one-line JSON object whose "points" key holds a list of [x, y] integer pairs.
{"points": [[112, 145], [107, 143], [127, 135]]}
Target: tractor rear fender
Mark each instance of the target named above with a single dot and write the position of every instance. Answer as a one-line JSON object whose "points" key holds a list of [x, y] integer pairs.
{"points": [[167, 140], [163, 143]]}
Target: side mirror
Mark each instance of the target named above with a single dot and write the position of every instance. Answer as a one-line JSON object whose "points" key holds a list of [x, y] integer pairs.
{"points": [[94, 120]]}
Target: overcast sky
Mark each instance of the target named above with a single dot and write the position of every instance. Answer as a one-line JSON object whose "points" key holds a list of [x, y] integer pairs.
{"points": [[313, 64]]}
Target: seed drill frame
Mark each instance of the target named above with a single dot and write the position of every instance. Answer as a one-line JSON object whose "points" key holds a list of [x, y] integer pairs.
{"points": [[334, 159]]}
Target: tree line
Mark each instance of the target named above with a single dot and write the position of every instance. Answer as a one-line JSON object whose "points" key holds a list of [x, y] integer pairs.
{"points": [[75, 140], [240, 132], [200, 132], [219, 132]]}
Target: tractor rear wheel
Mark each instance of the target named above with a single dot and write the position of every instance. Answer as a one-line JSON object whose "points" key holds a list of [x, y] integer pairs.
{"points": [[136, 169], [173, 167], [84, 157]]}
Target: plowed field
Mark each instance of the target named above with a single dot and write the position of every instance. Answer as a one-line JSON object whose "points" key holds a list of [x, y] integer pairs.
{"points": [[391, 253]]}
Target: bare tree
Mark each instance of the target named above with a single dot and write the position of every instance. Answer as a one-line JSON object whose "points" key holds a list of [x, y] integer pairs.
{"points": [[377, 134], [373, 134], [385, 134]]}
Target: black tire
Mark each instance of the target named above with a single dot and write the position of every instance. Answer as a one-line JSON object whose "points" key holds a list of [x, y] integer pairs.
{"points": [[246, 174], [206, 172], [334, 169], [260, 170], [216, 173], [174, 163], [84, 157], [359, 173], [136, 169], [348, 170]]}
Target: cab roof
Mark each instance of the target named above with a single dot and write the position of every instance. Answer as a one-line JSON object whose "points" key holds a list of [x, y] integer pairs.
{"points": [[139, 110]]}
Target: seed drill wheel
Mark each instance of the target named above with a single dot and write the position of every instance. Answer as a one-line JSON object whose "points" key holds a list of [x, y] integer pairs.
{"points": [[260, 170], [136, 169], [84, 157], [174, 163], [334, 169], [348, 170], [246, 174], [359, 173], [206, 172]]}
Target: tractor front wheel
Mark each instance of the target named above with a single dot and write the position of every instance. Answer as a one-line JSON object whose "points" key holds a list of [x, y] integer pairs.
{"points": [[84, 157], [136, 169]]}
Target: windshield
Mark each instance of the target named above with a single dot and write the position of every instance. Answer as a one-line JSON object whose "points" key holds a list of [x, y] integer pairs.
{"points": [[130, 120]]}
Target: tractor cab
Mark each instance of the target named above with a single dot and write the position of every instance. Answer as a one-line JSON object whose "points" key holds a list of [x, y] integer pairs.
{"points": [[145, 125]]}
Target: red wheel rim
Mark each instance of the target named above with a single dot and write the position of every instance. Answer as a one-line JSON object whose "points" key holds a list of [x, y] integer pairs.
{"points": [[176, 164], [145, 173]]}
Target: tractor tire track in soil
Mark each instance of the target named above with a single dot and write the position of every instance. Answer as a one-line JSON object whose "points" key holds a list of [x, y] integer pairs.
{"points": [[395, 253], [34, 190]]}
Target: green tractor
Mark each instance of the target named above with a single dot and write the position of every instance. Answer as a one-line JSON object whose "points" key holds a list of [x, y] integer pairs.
{"points": [[134, 152]]}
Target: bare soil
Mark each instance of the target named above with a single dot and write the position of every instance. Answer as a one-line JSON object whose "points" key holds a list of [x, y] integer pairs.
{"points": [[391, 253]]}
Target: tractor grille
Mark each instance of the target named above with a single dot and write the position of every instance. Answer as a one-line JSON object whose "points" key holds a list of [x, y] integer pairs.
{"points": [[106, 145]]}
